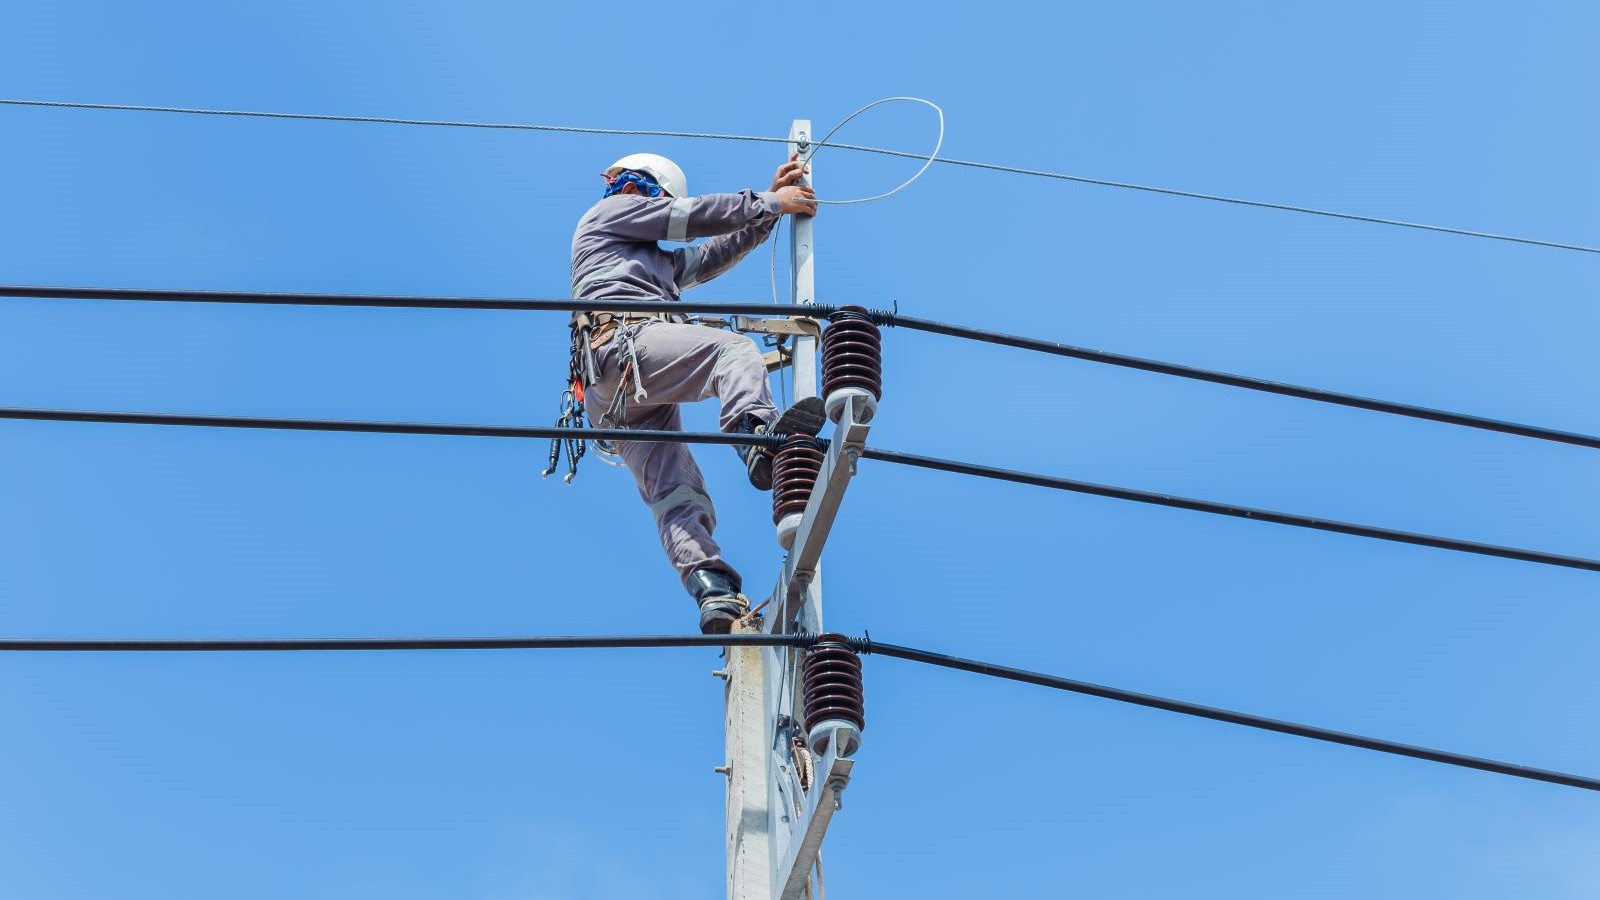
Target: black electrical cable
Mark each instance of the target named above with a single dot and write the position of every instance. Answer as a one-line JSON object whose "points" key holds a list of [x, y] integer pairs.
{"points": [[1240, 381], [908, 459], [230, 645], [1223, 715], [264, 298], [820, 311], [863, 645], [499, 431], [1225, 509]]}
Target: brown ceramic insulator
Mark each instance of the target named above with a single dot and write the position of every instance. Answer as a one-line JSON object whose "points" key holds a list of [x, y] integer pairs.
{"points": [[831, 683], [795, 468], [852, 353]]}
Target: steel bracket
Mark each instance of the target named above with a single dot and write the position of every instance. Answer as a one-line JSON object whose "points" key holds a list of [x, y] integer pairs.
{"points": [[796, 855], [800, 566], [798, 325]]}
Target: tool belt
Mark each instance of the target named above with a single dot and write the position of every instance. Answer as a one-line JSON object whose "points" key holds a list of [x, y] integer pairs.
{"points": [[600, 327], [593, 330]]}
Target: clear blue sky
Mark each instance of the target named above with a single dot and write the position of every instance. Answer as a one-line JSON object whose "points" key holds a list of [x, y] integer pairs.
{"points": [[588, 774]]}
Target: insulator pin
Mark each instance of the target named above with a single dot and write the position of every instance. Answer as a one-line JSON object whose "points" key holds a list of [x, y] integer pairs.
{"points": [[795, 468], [834, 701], [852, 363]]}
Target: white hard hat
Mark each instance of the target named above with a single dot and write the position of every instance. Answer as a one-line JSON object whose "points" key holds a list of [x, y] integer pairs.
{"points": [[663, 170]]}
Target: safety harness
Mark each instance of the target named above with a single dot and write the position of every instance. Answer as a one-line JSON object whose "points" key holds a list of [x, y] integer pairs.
{"points": [[590, 332], [593, 330]]}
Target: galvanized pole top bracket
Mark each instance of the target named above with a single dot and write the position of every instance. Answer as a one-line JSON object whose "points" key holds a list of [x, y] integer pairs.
{"points": [[804, 326], [844, 452]]}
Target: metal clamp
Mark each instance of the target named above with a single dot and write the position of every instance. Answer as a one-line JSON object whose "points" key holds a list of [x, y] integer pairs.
{"points": [[799, 325]]}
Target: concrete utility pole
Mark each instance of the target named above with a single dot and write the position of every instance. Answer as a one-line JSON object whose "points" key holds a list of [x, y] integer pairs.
{"points": [[751, 712], [782, 789], [749, 845]]}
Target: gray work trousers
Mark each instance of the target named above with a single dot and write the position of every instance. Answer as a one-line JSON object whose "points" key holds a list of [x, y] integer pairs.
{"points": [[679, 364]]}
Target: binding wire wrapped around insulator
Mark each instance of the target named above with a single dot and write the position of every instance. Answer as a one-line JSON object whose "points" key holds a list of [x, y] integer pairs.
{"points": [[831, 688], [795, 468], [852, 363]]}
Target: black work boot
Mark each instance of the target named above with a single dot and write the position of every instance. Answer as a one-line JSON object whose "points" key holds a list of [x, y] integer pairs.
{"points": [[757, 460], [717, 592], [804, 417]]}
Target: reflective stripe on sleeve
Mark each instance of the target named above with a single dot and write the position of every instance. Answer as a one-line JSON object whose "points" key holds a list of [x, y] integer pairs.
{"points": [[678, 219]]}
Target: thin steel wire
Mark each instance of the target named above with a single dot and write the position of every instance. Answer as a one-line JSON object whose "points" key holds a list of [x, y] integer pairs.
{"points": [[1220, 198], [707, 135], [931, 157]]}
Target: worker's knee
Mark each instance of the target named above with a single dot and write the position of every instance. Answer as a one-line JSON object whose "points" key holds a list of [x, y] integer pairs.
{"points": [[683, 500], [740, 353]]}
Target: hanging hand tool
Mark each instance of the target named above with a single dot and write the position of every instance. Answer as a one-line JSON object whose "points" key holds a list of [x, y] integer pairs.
{"points": [[571, 417]]}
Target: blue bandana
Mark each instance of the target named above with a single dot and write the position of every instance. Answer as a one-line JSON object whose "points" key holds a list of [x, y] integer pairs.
{"points": [[645, 183]]}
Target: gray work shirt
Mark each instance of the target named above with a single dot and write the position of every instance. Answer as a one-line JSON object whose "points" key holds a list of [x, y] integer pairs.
{"points": [[615, 255]]}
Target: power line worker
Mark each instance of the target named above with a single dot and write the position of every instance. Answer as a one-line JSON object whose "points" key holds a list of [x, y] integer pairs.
{"points": [[637, 367]]}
